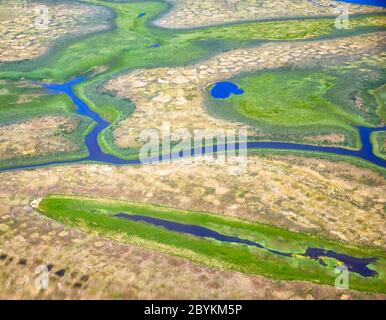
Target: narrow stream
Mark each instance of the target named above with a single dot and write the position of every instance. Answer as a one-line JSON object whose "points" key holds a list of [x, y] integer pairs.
{"points": [[353, 264]]}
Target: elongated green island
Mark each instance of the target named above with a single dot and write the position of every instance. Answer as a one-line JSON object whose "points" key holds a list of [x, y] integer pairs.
{"points": [[222, 242]]}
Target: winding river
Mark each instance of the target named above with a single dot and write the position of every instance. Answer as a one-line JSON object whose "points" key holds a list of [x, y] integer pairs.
{"points": [[97, 155]]}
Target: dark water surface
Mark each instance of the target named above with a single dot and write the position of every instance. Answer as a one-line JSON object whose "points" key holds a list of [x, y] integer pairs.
{"points": [[353, 264]]}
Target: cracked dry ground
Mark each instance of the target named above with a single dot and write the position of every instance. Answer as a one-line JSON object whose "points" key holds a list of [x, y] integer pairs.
{"points": [[193, 13], [176, 94], [23, 39], [39, 136], [336, 200]]}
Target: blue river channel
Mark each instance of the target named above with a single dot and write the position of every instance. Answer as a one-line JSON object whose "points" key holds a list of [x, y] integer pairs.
{"points": [[378, 3], [97, 155], [353, 264]]}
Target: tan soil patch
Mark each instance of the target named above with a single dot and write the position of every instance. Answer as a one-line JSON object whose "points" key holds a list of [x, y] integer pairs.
{"points": [[193, 13], [331, 138], [23, 36], [40, 136]]}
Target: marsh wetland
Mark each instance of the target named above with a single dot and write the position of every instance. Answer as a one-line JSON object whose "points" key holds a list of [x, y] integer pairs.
{"points": [[76, 197]]}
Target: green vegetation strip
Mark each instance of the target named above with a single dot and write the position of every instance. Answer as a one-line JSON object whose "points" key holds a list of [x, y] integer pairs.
{"points": [[379, 142], [98, 215]]}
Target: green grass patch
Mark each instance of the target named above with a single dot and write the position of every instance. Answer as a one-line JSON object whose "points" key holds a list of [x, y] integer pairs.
{"points": [[379, 142], [291, 104]]}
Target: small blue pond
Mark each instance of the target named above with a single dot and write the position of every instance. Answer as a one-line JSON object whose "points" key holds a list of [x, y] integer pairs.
{"points": [[223, 90], [355, 265]]}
